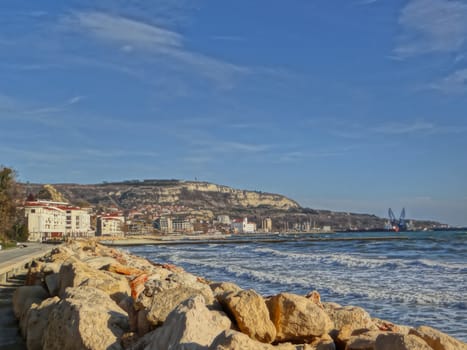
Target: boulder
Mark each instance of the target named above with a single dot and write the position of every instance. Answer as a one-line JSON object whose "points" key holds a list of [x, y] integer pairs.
{"points": [[155, 285], [355, 317], [137, 285], [297, 319], [74, 273], [52, 283], [363, 341], [251, 315], [34, 275], [233, 340], [122, 269], [395, 341], [166, 300], [86, 318], [438, 340], [24, 296], [59, 255], [190, 326], [98, 262], [223, 288], [37, 321], [325, 342], [315, 297], [50, 268]]}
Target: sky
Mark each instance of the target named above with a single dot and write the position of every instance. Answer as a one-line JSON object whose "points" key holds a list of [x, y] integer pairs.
{"points": [[354, 106]]}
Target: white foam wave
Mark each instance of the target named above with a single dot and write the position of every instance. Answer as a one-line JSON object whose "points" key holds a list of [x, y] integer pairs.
{"points": [[396, 287]]}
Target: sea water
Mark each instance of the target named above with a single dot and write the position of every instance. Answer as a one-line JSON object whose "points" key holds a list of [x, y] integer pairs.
{"points": [[421, 280]]}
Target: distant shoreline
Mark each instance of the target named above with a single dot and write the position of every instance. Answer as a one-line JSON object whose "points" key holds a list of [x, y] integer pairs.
{"points": [[179, 240]]}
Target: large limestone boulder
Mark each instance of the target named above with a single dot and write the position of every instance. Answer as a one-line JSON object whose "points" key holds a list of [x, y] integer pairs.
{"points": [[190, 326], [166, 300], [24, 296], [160, 296], [74, 273], [251, 315], [36, 322], [438, 340], [324, 342], [86, 318], [98, 262], [233, 340], [59, 255], [52, 282], [363, 341], [297, 318], [353, 316], [223, 288], [155, 284], [395, 341]]}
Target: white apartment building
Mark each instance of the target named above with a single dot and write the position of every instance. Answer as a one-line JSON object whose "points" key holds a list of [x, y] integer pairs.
{"points": [[223, 219], [56, 220], [243, 226], [266, 225], [110, 225]]}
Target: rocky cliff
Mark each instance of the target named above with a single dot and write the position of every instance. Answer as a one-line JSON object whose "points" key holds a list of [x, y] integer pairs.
{"points": [[131, 194]]}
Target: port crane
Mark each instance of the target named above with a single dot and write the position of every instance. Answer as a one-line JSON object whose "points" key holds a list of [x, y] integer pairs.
{"points": [[397, 224]]}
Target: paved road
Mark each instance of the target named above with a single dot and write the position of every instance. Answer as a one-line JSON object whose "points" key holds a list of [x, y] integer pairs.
{"points": [[9, 257]]}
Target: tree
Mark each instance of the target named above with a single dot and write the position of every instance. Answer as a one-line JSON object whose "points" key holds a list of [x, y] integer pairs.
{"points": [[12, 223]]}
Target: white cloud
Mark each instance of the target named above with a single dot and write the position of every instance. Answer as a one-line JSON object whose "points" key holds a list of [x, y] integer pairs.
{"points": [[455, 82], [405, 128], [162, 43], [432, 26], [74, 99], [115, 28]]}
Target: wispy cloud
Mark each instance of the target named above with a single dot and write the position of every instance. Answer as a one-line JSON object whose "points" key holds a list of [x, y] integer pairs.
{"points": [[432, 26], [454, 83], [57, 108], [405, 128], [132, 35], [356, 131], [74, 100]]}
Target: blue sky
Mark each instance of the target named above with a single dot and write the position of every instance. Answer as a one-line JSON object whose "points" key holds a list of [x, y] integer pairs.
{"points": [[355, 105]]}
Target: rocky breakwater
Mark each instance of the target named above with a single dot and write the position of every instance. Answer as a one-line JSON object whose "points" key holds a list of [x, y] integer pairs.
{"points": [[87, 296]]}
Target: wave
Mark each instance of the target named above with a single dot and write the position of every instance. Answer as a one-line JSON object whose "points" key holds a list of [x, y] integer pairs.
{"points": [[267, 276]]}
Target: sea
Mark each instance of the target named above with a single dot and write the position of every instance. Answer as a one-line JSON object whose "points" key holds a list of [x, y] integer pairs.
{"points": [[419, 278]]}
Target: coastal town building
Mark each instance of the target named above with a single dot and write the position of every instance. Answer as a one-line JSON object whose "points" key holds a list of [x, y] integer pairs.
{"points": [[182, 225], [266, 225], [49, 220], [223, 219], [170, 225], [243, 226], [163, 224], [139, 227], [111, 224]]}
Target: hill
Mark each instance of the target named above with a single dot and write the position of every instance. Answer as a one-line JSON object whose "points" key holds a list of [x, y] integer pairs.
{"points": [[209, 199]]}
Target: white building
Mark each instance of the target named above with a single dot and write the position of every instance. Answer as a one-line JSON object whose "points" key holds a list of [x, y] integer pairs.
{"points": [[223, 219], [110, 225], [266, 225], [243, 226], [56, 220]]}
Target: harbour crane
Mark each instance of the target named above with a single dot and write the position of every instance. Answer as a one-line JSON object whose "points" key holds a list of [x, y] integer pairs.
{"points": [[397, 224]]}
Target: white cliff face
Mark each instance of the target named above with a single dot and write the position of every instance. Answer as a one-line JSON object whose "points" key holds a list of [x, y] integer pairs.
{"points": [[218, 195]]}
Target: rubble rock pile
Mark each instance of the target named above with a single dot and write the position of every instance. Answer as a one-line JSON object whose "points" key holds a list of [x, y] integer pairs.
{"points": [[87, 296]]}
